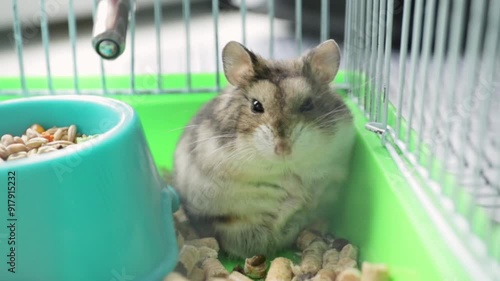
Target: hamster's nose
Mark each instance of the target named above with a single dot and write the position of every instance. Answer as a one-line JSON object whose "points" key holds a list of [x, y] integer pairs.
{"points": [[283, 148]]}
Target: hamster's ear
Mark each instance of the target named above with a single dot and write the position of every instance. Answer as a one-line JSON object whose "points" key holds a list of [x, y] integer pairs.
{"points": [[322, 62], [237, 61]]}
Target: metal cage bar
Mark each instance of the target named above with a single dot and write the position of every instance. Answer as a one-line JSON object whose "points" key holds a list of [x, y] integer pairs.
{"points": [[442, 26], [45, 39], [158, 16], [298, 26], [446, 153], [132, 47], [379, 62], [402, 67], [373, 60], [18, 38], [367, 55], [361, 50], [186, 12], [215, 14], [325, 22], [387, 62], [270, 6], [426, 50], [243, 11], [72, 37], [104, 86], [415, 50]]}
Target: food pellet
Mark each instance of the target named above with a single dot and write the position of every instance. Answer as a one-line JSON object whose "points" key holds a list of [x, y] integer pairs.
{"points": [[36, 140], [16, 147], [255, 267], [3, 152], [72, 133], [58, 134], [17, 155], [374, 272], [18, 140], [7, 139], [38, 128], [280, 270]]}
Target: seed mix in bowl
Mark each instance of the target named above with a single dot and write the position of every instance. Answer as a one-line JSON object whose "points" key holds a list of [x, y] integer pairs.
{"points": [[36, 140]]}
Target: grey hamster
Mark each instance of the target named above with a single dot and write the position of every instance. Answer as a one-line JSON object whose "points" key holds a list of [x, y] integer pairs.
{"points": [[254, 163]]}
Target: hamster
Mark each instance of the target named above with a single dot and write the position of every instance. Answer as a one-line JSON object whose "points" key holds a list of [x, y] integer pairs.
{"points": [[253, 164]]}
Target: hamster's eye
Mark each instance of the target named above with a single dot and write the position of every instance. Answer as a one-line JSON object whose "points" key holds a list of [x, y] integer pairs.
{"points": [[257, 107], [307, 105]]}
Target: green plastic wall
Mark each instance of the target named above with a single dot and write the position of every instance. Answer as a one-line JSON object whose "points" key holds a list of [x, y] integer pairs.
{"points": [[378, 210]]}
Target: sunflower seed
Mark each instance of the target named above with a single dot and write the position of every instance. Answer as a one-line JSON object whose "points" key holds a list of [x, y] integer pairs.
{"points": [[17, 155], [72, 133], [7, 139], [16, 147], [58, 134], [36, 142]]}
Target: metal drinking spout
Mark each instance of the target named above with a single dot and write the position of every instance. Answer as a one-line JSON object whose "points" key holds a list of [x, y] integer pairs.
{"points": [[110, 27]]}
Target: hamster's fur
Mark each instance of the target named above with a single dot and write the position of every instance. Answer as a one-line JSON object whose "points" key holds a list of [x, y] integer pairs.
{"points": [[253, 164]]}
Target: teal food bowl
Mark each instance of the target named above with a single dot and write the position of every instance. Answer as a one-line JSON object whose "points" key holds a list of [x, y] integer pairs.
{"points": [[96, 211]]}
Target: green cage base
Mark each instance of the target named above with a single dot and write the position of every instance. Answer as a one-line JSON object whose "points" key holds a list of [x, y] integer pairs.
{"points": [[379, 211]]}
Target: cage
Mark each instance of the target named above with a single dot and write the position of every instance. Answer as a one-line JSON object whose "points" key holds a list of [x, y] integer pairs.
{"points": [[421, 78]]}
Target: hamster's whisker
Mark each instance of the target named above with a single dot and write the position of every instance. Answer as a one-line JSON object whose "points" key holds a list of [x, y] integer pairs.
{"points": [[197, 147], [180, 128], [336, 110], [326, 123], [222, 147], [227, 159], [212, 138]]}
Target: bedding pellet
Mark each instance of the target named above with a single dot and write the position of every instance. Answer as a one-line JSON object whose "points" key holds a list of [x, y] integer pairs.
{"points": [[280, 270], [206, 252], [325, 274], [209, 242], [349, 251], [197, 274], [374, 272], [330, 258], [214, 269], [238, 276], [36, 140], [312, 257], [188, 257], [350, 274], [175, 276], [255, 267], [323, 258]]}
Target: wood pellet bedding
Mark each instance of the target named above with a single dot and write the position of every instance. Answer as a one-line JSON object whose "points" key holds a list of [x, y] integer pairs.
{"points": [[37, 140], [321, 258]]}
